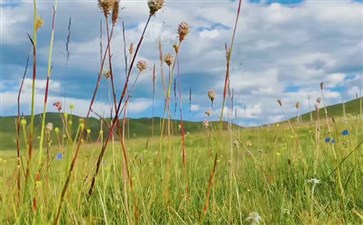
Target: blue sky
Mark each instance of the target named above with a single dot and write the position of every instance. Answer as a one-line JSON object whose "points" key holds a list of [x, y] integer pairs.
{"points": [[283, 49]]}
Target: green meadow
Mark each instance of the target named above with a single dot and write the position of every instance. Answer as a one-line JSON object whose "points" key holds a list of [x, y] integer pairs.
{"points": [[59, 168]]}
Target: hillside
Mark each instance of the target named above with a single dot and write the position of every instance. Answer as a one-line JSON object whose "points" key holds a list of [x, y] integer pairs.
{"points": [[352, 109], [142, 127]]}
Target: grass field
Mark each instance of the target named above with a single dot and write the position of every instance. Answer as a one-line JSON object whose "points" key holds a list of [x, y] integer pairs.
{"points": [[58, 168]]}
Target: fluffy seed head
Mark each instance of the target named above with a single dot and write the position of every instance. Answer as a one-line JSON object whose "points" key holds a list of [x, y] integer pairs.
{"points": [[155, 5], [168, 59], [183, 30], [211, 95], [141, 65], [318, 100]]}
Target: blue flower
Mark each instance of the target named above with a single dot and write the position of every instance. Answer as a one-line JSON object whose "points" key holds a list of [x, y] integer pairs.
{"points": [[327, 139], [345, 132], [60, 156]]}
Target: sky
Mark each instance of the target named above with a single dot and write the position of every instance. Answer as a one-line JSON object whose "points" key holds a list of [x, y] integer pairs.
{"points": [[283, 50]]}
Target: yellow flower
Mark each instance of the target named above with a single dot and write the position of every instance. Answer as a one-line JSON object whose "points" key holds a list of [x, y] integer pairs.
{"points": [[39, 23]]}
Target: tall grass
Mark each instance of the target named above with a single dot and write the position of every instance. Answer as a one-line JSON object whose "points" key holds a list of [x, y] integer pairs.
{"points": [[295, 173]]}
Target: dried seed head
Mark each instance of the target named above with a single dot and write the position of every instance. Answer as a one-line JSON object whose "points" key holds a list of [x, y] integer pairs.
{"points": [[297, 105], [208, 113], [318, 100], [205, 124], [107, 74], [321, 86], [155, 5], [106, 6], [280, 102], [183, 30], [58, 105], [141, 65], [115, 11], [211, 95], [131, 49], [168, 59], [39, 23], [176, 48]]}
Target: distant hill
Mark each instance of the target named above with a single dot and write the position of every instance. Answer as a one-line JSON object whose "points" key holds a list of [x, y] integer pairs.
{"points": [[352, 109], [142, 127]]}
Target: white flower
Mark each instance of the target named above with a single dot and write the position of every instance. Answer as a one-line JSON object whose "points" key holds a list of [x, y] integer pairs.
{"points": [[314, 181], [49, 127], [254, 218]]}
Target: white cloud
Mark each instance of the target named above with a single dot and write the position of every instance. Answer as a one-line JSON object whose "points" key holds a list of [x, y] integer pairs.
{"points": [[277, 47], [194, 108]]}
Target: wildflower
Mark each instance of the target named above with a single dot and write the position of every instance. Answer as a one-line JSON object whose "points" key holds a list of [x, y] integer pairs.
{"points": [[345, 132], [279, 101], [23, 121], [211, 95], [254, 218], [39, 23], [168, 59], [318, 100], [179, 126], [56, 130], [205, 124], [58, 105], [278, 153], [71, 107], [155, 5], [88, 131], [327, 139], [183, 31], [49, 127], [249, 144], [208, 113], [141, 65], [314, 181], [59, 156], [101, 132]]}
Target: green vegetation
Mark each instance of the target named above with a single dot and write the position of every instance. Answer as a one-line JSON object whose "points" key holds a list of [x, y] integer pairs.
{"points": [[62, 169]]}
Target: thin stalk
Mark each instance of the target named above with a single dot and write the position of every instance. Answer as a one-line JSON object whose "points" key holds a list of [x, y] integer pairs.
{"points": [[210, 184], [49, 71], [18, 132], [228, 61]]}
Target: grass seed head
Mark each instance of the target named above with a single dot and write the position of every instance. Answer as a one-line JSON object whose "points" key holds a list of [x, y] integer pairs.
{"points": [[115, 11], [39, 23], [155, 5], [141, 65], [168, 59], [106, 6], [280, 102], [211, 95], [183, 31], [297, 105]]}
